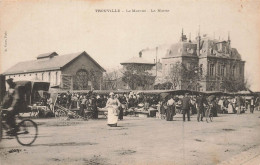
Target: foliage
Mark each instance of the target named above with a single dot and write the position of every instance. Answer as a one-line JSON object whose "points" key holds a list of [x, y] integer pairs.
{"points": [[232, 85], [111, 80], [138, 77], [181, 73], [163, 86]]}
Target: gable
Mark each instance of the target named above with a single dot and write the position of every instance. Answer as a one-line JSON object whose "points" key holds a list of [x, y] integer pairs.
{"points": [[83, 61]]}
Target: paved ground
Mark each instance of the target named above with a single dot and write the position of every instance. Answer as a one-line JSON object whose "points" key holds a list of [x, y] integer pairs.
{"points": [[230, 139]]}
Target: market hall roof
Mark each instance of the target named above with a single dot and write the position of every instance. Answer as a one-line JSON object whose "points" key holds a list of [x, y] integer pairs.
{"points": [[47, 62], [137, 60]]}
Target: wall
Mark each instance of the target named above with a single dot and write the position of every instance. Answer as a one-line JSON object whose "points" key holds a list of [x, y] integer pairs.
{"points": [[166, 64], [49, 76], [216, 79]]}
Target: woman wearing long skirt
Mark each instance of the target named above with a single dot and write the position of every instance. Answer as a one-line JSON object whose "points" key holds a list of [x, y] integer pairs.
{"points": [[230, 108], [112, 108]]}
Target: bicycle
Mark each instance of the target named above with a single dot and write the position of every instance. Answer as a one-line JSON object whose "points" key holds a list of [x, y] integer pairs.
{"points": [[27, 130]]}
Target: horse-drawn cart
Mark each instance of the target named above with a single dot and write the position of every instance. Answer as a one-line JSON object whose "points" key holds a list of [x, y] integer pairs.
{"points": [[34, 95]]}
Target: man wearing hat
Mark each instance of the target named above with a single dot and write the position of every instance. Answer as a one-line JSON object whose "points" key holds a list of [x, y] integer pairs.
{"points": [[200, 101], [239, 103], [68, 101], [170, 109], [186, 104], [94, 105], [13, 101]]}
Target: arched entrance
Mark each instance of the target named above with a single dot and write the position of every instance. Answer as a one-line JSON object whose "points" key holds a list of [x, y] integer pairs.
{"points": [[80, 80]]}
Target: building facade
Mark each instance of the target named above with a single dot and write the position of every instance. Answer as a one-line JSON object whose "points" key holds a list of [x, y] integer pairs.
{"points": [[77, 71], [204, 65]]}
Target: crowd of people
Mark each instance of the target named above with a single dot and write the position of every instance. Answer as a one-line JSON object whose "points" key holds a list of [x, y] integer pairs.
{"points": [[92, 101], [167, 107], [203, 106], [118, 105]]}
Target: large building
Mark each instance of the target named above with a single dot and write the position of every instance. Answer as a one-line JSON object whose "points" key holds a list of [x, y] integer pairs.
{"points": [[77, 71], [205, 64]]}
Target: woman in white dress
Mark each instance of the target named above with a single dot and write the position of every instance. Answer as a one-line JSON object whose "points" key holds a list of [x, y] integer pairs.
{"points": [[112, 110], [230, 107]]}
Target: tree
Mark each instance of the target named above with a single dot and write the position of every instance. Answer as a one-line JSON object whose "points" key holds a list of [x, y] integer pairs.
{"points": [[111, 80], [163, 86], [94, 77], [137, 76], [233, 85], [181, 75], [175, 76]]}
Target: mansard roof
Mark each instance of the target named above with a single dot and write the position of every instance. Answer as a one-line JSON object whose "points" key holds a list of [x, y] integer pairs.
{"points": [[182, 49], [208, 47]]}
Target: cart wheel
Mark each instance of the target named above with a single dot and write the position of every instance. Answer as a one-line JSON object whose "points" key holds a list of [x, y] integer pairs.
{"points": [[62, 114]]}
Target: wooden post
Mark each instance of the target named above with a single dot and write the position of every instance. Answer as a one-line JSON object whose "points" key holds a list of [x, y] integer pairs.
{"points": [[71, 83], [100, 85]]}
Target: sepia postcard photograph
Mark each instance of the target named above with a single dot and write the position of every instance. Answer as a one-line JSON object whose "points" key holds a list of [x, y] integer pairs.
{"points": [[128, 82]]}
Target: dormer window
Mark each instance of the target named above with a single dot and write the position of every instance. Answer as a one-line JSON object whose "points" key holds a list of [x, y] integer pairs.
{"points": [[189, 50]]}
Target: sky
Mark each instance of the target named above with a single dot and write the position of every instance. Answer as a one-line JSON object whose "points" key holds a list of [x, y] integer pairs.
{"points": [[32, 27]]}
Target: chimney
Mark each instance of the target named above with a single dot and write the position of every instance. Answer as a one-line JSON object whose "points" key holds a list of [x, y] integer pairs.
{"points": [[229, 41], [183, 37], [198, 42], [140, 54]]}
